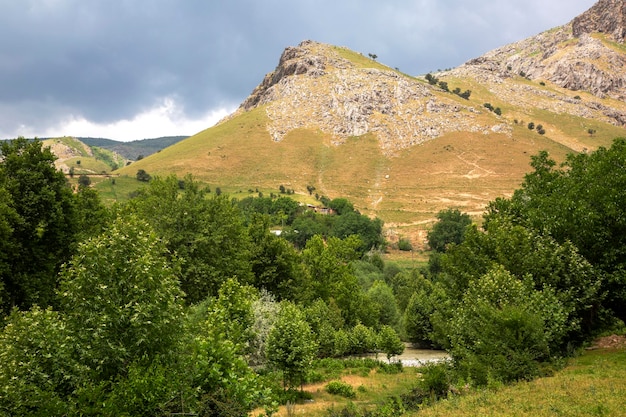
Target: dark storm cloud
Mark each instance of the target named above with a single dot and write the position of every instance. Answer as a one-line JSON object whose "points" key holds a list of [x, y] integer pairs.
{"points": [[107, 60]]}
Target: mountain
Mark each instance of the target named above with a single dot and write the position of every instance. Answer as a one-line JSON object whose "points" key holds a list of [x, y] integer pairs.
{"points": [[135, 149], [404, 147]]}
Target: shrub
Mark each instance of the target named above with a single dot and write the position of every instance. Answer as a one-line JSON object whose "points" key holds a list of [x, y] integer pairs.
{"points": [[404, 244], [142, 175], [340, 388]]}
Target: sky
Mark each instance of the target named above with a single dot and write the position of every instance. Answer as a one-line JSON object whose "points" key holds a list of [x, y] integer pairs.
{"points": [[136, 69]]}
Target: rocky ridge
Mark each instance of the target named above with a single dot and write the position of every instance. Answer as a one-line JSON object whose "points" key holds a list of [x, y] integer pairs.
{"points": [[586, 55], [314, 87]]}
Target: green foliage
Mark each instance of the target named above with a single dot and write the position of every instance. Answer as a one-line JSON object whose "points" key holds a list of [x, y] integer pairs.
{"points": [[330, 276], [435, 384], [449, 228], [404, 244], [432, 80], [389, 342], [84, 180], [290, 345], [124, 267], [419, 311], [385, 304], [340, 388], [504, 328], [581, 203], [38, 368], [207, 233], [39, 223], [275, 263], [362, 340], [143, 176]]}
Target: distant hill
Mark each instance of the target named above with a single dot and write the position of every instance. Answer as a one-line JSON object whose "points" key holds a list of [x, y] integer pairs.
{"points": [[136, 148], [404, 147]]}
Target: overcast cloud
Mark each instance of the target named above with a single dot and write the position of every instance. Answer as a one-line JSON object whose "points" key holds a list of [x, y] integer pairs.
{"points": [[134, 69]]}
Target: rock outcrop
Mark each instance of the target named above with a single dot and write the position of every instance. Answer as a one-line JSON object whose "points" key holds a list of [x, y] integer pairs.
{"points": [[579, 56], [606, 16], [314, 87]]}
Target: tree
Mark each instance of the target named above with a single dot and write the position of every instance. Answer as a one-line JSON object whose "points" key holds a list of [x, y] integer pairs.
{"points": [[84, 180], [290, 345], [207, 233], [40, 223], [450, 228], [531, 126], [275, 263], [432, 80], [121, 298], [142, 175], [310, 189], [389, 342], [504, 328], [330, 276], [443, 85], [581, 203], [385, 303]]}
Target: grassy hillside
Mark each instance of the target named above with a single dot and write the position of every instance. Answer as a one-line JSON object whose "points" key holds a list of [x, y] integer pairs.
{"points": [[462, 169]]}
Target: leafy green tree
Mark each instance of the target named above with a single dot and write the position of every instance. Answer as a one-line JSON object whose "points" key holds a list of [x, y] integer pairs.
{"points": [[449, 228], [504, 328], [143, 176], [324, 321], [353, 223], [330, 276], [38, 368], [290, 346], [341, 206], [275, 263], [84, 180], [207, 233], [389, 342], [385, 303], [362, 339], [121, 298], [40, 226], [581, 203], [523, 252], [424, 302]]}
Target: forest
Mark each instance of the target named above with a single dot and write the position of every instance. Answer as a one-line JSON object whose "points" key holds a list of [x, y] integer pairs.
{"points": [[181, 301]]}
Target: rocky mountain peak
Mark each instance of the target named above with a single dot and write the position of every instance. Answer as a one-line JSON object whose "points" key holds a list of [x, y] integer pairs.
{"points": [[344, 94], [606, 16]]}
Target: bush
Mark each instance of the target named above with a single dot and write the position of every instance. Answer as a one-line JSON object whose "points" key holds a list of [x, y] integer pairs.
{"points": [[340, 388], [405, 245], [142, 175]]}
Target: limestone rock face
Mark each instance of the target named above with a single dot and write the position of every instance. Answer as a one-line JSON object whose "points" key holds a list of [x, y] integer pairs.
{"points": [[583, 55], [314, 87], [606, 16]]}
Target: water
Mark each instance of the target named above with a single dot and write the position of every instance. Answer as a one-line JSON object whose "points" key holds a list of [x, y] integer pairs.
{"points": [[419, 357], [415, 357]]}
